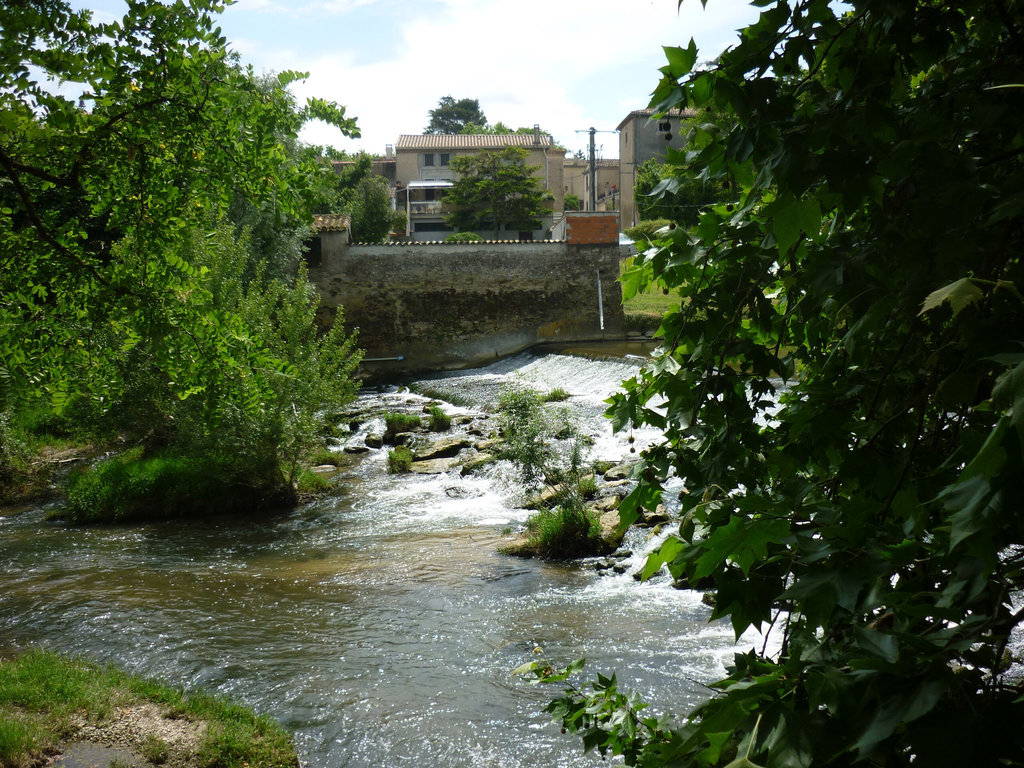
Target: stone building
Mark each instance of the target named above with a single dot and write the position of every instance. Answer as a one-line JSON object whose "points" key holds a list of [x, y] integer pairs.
{"points": [[641, 137]]}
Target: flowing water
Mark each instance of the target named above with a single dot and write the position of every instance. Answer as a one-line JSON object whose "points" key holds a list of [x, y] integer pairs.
{"points": [[380, 625]]}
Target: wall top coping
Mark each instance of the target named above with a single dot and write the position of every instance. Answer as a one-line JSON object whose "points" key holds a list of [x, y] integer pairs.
{"points": [[421, 243]]}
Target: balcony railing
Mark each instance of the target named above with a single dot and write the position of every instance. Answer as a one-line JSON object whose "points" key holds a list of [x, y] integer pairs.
{"points": [[426, 208]]}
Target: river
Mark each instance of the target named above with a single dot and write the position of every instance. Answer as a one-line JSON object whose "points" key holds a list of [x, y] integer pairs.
{"points": [[380, 625]]}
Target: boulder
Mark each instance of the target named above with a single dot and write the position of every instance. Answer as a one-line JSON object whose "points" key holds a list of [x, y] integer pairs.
{"points": [[487, 446], [606, 504], [433, 466], [545, 498], [352, 449], [610, 529], [660, 516], [446, 447], [620, 471], [475, 463], [374, 440]]}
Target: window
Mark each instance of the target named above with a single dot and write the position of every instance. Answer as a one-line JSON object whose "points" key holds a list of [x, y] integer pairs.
{"points": [[428, 158], [445, 158], [432, 226]]}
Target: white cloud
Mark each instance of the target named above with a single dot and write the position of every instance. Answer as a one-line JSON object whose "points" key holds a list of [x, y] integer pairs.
{"points": [[566, 65]]}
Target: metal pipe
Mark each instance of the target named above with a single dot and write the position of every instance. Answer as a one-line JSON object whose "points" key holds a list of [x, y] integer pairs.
{"points": [[381, 359], [600, 300]]}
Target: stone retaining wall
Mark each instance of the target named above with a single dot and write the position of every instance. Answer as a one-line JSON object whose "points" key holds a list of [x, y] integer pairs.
{"points": [[455, 305]]}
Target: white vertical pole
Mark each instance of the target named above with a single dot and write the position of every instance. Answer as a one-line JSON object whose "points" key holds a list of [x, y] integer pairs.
{"points": [[600, 301]]}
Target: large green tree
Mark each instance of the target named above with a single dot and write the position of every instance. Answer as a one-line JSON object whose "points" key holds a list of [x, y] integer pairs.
{"points": [[105, 296], [373, 216], [452, 115], [495, 190], [842, 392]]}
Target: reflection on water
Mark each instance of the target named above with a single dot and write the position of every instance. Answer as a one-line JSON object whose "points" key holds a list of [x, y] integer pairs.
{"points": [[381, 625]]}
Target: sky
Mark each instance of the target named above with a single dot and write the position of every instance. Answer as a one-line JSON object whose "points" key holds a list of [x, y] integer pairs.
{"points": [[566, 65]]}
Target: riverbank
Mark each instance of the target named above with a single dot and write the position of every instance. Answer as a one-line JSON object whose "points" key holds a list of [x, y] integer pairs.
{"points": [[56, 710]]}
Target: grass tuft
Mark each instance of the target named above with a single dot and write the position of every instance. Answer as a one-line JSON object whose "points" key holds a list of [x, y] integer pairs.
{"points": [[399, 460], [556, 395], [439, 420], [394, 423], [567, 531]]}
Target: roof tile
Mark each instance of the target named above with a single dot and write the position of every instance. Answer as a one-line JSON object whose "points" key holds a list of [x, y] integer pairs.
{"points": [[471, 141]]}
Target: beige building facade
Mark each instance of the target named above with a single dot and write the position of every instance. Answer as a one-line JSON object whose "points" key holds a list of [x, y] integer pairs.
{"points": [[424, 171], [577, 182]]}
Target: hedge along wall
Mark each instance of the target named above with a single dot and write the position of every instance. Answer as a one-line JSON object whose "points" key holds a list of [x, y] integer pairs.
{"points": [[455, 305]]}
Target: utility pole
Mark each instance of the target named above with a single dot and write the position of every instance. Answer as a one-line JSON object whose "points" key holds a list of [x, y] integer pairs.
{"points": [[593, 167], [593, 172]]}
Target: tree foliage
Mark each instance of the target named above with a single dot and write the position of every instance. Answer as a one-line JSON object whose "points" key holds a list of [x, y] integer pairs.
{"points": [[667, 191], [114, 204], [495, 190], [452, 116], [842, 393], [372, 214]]}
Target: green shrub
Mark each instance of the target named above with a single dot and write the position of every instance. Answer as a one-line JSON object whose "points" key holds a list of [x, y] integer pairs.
{"points": [[399, 460], [463, 237], [526, 431], [588, 487], [646, 230], [395, 423], [556, 395], [164, 485], [309, 483], [326, 456], [439, 420]]}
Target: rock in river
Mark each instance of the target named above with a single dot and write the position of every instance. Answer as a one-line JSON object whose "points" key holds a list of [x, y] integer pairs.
{"points": [[446, 447]]}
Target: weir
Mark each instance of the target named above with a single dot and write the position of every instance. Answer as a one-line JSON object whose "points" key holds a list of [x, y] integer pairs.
{"points": [[436, 306]]}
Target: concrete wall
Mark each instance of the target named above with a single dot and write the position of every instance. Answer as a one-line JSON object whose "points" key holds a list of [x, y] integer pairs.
{"points": [[461, 305]]}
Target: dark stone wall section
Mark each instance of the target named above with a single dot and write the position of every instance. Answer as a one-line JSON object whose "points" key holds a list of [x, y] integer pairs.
{"points": [[441, 306]]}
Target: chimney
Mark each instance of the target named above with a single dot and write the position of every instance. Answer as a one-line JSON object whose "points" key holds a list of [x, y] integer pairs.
{"points": [[536, 134], [389, 151]]}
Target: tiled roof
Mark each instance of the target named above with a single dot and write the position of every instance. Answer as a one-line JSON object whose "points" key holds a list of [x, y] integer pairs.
{"points": [[471, 141], [330, 222], [688, 112]]}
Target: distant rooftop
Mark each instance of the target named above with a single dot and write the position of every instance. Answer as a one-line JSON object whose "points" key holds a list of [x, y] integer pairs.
{"points": [[648, 113], [471, 141], [330, 222]]}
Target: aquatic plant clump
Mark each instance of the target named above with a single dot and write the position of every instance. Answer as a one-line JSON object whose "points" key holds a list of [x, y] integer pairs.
{"points": [[396, 423], [439, 420], [567, 531], [399, 460]]}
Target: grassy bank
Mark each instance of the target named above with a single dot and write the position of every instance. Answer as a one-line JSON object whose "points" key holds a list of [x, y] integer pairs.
{"points": [[644, 311], [48, 700]]}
